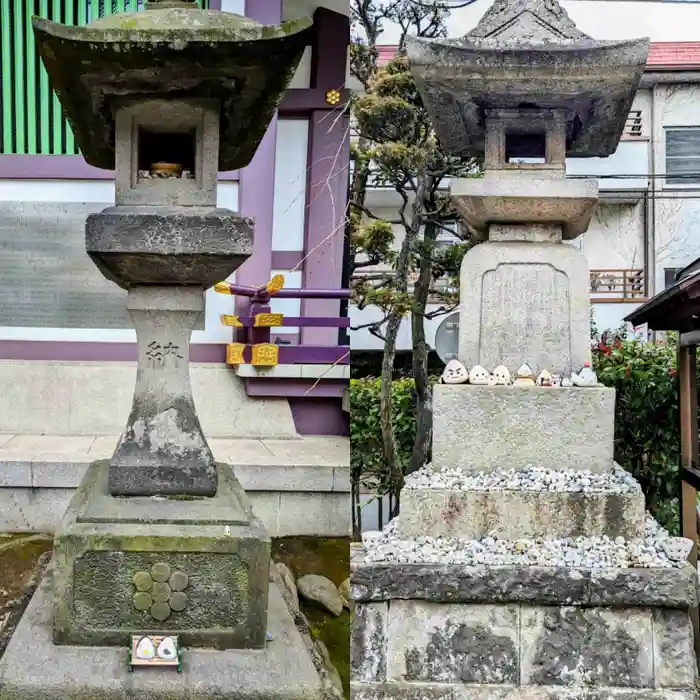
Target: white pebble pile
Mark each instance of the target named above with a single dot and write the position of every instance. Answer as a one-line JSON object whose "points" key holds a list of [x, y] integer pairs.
{"points": [[530, 479], [585, 552]]}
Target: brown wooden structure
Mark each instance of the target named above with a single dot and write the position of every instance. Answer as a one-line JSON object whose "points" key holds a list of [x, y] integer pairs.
{"points": [[678, 309]]}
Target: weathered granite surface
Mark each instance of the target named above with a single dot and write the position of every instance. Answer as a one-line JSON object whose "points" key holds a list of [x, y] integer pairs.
{"points": [[499, 197], [445, 691], [512, 645], [162, 450], [516, 514], [630, 587], [186, 246], [524, 302], [423, 632], [198, 53], [33, 668], [183, 131], [198, 568], [482, 428], [528, 52]]}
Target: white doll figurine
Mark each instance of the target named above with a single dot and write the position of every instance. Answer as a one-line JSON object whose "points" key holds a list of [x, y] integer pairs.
{"points": [[454, 373], [545, 378], [479, 376], [585, 378], [501, 376], [525, 376]]}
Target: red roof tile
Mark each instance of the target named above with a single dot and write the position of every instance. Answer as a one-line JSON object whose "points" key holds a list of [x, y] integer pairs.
{"points": [[674, 54], [662, 54]]}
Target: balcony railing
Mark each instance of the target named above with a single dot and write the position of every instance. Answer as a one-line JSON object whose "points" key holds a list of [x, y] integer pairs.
{"points": [[618, 286], [606, 286], [31, 118]]}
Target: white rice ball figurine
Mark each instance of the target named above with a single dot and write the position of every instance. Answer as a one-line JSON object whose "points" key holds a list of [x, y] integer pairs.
{"points": [[525, 376], [501, 376], [454, 373], [479, 376], [585, 378]]}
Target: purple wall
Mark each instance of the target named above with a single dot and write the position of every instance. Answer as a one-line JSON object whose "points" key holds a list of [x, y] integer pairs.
{"points": [[257, 181], [329, 152], [319, 416]]}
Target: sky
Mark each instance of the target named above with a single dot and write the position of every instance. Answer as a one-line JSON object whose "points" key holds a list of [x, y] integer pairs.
{"points": [[659, 20]]}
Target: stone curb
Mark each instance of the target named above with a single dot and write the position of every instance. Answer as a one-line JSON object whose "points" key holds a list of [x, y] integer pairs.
{"points": [[43, 565], [319, 655], [444, 691], [632, 587], [67, 473]]}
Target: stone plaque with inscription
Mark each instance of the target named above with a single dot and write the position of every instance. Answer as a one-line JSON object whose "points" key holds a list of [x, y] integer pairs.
{"points": [[522, 302], [47, 279]]}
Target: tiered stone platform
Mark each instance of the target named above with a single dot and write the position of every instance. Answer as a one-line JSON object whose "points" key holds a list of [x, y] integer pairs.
{"points": [[494, 429], [451, 632], [617, 628], [33, 668]]}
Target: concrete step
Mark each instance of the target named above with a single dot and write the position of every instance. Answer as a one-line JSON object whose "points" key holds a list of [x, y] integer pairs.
{"points": [[297, 486]]}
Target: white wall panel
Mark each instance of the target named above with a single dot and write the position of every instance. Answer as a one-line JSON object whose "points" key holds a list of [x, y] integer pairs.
{"points": [[235, 6], [102, 192], [290, 185]]}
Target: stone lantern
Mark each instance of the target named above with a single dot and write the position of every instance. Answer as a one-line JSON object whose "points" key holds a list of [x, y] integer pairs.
{"points": [[524, 90], [467, 593], [167, 98], [160, 537]]}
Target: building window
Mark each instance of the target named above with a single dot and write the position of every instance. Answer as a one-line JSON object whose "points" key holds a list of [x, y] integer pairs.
{"points": [[448, 235], [683, 156]]}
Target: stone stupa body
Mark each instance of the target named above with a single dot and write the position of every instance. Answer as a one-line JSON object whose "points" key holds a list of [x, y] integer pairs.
{"points": [[516, 568]]}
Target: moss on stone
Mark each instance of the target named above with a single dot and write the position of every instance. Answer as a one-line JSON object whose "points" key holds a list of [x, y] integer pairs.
{"points": [[22, 561], [190, 52]]}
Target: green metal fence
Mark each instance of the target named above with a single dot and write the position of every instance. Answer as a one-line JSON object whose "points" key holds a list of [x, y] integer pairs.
{"points": [[32, 121]]}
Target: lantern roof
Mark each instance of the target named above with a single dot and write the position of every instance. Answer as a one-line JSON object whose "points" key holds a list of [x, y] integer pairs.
{"points": [[528, 54], [172, 50]]}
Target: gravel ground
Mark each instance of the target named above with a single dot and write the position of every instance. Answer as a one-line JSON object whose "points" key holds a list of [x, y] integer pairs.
{"points": [[532, 479], [657, 549]]}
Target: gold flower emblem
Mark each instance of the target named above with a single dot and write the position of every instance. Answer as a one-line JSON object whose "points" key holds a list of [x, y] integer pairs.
{"points": [[333, 97]]}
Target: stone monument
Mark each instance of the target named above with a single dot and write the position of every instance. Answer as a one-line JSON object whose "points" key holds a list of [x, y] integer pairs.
{"points": [[522, 563], [161, 540]]}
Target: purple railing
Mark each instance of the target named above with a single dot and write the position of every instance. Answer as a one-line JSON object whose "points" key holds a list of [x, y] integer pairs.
{"points": [[251, 334]]}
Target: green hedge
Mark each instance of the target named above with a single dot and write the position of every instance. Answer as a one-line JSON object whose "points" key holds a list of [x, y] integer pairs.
{"points": [[647, 431], [366, 455]]}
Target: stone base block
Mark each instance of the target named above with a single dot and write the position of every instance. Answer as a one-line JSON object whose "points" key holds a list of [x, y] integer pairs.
{"points": [[196, 567], [33, 668], [482, 428], [447, 691], [503, 647], [527, 585], [513, 515]]}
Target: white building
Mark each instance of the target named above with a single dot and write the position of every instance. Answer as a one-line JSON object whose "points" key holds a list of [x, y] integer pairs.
{"points": [[647, 224]]}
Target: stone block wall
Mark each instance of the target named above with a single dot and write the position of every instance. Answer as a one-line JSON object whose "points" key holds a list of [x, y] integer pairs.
{"points": [[442, 638]]}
